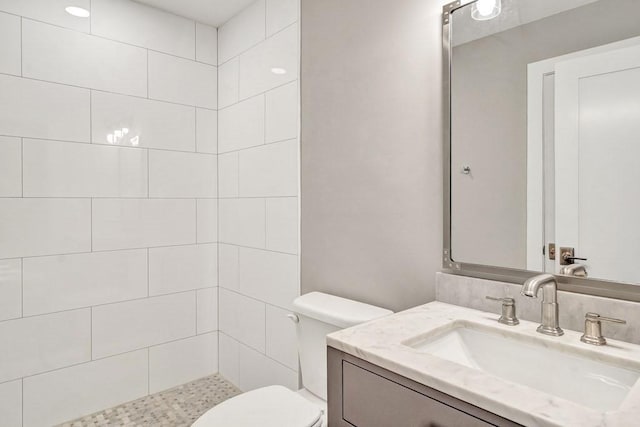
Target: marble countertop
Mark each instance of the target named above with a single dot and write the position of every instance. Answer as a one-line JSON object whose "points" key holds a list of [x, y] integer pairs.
{"points": [[381, 342]]}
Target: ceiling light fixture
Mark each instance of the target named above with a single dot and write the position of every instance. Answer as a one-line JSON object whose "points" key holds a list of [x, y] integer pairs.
{"points": [[279, 71], [483, 10], [77, 11]]}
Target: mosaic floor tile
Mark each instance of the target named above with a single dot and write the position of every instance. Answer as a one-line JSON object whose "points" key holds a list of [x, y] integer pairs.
{"points": [[176, 407]]}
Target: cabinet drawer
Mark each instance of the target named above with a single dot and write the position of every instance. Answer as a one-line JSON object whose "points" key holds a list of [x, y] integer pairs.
{"points": [[369, 400]]}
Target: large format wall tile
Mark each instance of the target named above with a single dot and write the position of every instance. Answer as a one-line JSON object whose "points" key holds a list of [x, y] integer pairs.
{"points": [[43, 343], [31, 227], [10, 60], [182, 268], [179, 175], [149, 123], [131, 325], [139, 223], [182, 81], [241, 125], [270, 170], [25, 102], [282, 224], [65, 56], [242, 222], [10, 289], [67, 169], [11, 403], [242, 318], [269, 276], [207, 212], [10, 167], [281, 14], [249, 369], [228, 174], [55, 397], [51, 11], [281, 337], [207, 310], [256, 65], [228, 258], [206, 44], [228, 90], [182, 361], [282, 113], [206, 131], [145, 26], [241, 32], [71, 281]]}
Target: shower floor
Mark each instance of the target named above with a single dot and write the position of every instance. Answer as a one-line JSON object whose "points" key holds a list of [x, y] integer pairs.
{"points": [[176, 407]]}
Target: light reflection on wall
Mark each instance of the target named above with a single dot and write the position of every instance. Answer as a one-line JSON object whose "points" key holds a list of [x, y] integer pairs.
{"points": [[120, 137]]}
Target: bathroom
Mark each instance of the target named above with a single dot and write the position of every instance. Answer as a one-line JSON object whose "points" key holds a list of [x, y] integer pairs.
{"points": [[307, 213]]}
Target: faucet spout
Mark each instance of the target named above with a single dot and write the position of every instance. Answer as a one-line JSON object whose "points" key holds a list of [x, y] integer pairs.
{"points": [[550, 312]]}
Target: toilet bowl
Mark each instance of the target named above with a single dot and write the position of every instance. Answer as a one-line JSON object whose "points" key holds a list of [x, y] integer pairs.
{"points": [[316, 314]]}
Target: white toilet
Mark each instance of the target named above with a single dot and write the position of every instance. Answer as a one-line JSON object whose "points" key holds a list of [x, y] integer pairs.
{"points": [[317, 315]]}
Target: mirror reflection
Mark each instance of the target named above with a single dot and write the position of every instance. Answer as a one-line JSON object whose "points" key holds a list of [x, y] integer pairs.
{"points": [[545, 145]]}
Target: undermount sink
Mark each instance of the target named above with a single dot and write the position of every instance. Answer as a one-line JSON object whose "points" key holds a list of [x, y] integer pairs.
{"points": [[557, 369]]}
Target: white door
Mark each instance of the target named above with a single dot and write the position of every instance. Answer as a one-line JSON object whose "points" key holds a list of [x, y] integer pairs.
{"points": [[597, 161]]}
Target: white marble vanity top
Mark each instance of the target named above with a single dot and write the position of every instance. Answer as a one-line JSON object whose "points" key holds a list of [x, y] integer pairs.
{"points": [[381, 342]]}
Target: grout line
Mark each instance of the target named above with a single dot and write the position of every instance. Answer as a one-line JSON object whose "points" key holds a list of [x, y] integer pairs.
{"points": [[147, 74], [257, 351], [91, 331], [258, 146], [148, 175], [264, 92], [21, 50], [91, 224], [21, 167], [257, 44], [21, 288], [148, 274], [90, 116]]}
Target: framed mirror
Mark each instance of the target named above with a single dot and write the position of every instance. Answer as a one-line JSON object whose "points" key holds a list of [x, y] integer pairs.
{"points": [[542, 142]]}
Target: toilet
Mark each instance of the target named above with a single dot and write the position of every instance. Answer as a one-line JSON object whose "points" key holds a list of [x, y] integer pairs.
{"points": [[316, 315]]}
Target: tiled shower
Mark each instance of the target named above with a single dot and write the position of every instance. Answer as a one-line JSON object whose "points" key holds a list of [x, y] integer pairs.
{"points": [[148, 203]]}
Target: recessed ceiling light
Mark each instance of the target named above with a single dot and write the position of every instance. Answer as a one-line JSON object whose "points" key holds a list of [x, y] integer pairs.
{"points": [[77, 11], [277, 70]]}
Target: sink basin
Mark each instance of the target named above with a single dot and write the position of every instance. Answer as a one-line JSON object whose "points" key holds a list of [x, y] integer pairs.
{"points": [[558, 369]]}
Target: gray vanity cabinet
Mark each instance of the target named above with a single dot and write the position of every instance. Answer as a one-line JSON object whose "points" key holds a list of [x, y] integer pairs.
{"points": [[364, 395]]}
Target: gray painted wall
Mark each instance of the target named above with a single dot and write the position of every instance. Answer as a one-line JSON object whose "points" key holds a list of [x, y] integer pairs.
{"points": [[371, 174]]}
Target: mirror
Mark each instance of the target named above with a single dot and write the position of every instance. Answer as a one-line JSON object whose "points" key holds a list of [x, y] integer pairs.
{"points": [[544, 154]]}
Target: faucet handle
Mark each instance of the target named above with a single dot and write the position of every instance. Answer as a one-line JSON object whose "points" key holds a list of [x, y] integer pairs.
{"points": [[508, 316], [593, 328]]}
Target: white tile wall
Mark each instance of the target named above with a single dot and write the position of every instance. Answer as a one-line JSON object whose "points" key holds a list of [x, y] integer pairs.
{"points": [[10, 61], [206, 131], [25, 102], [233, 121], [206, 44], [44, 343], [243, 318], [139, 223], [31, 227], [10, 167], [156, 124], [65, 56], [270, 170], [182, 361], [51, 11], [182, 175], [282, 224], [11, 403], [10, 289], [126, 326], [64, 282], [139, 25], [278, 51], [108, 186], [242, 222], [55, 397], [68, 169], [241, 32], [207, 310], [182, 268], [179, 80], [258, 189]]}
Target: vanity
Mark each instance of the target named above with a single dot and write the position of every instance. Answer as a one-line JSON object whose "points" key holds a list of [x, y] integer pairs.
{"points": [[541, 236]]}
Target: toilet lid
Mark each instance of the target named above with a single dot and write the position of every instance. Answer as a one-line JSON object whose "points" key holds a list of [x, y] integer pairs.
{"points": [[273, 406]]}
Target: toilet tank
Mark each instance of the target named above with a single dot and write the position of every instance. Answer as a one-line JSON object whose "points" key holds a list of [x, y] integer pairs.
{"points": [[320, 314]]}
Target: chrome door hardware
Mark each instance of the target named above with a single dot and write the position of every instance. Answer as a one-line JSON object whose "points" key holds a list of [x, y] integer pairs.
{"points": [[508, 316], [593, 328], [567, 256]]}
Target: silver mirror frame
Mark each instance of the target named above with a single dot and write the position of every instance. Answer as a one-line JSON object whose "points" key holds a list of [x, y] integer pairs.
{"points": [[600, 288]]}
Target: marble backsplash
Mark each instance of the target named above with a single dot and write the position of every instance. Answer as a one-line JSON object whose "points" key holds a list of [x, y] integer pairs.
{"points": [[471, 292]]}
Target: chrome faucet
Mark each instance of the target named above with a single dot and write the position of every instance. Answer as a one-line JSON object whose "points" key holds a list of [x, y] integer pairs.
{"points": [[530, 288]]}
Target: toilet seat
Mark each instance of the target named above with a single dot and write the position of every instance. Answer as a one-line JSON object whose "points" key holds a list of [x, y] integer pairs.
{"points": [[273, 406]]}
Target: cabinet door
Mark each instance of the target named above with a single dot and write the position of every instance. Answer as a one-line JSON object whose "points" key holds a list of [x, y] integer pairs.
{"points": [[370, 400]]}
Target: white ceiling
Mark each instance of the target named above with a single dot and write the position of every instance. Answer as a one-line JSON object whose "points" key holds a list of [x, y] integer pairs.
{"points": [[212, 12]]}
